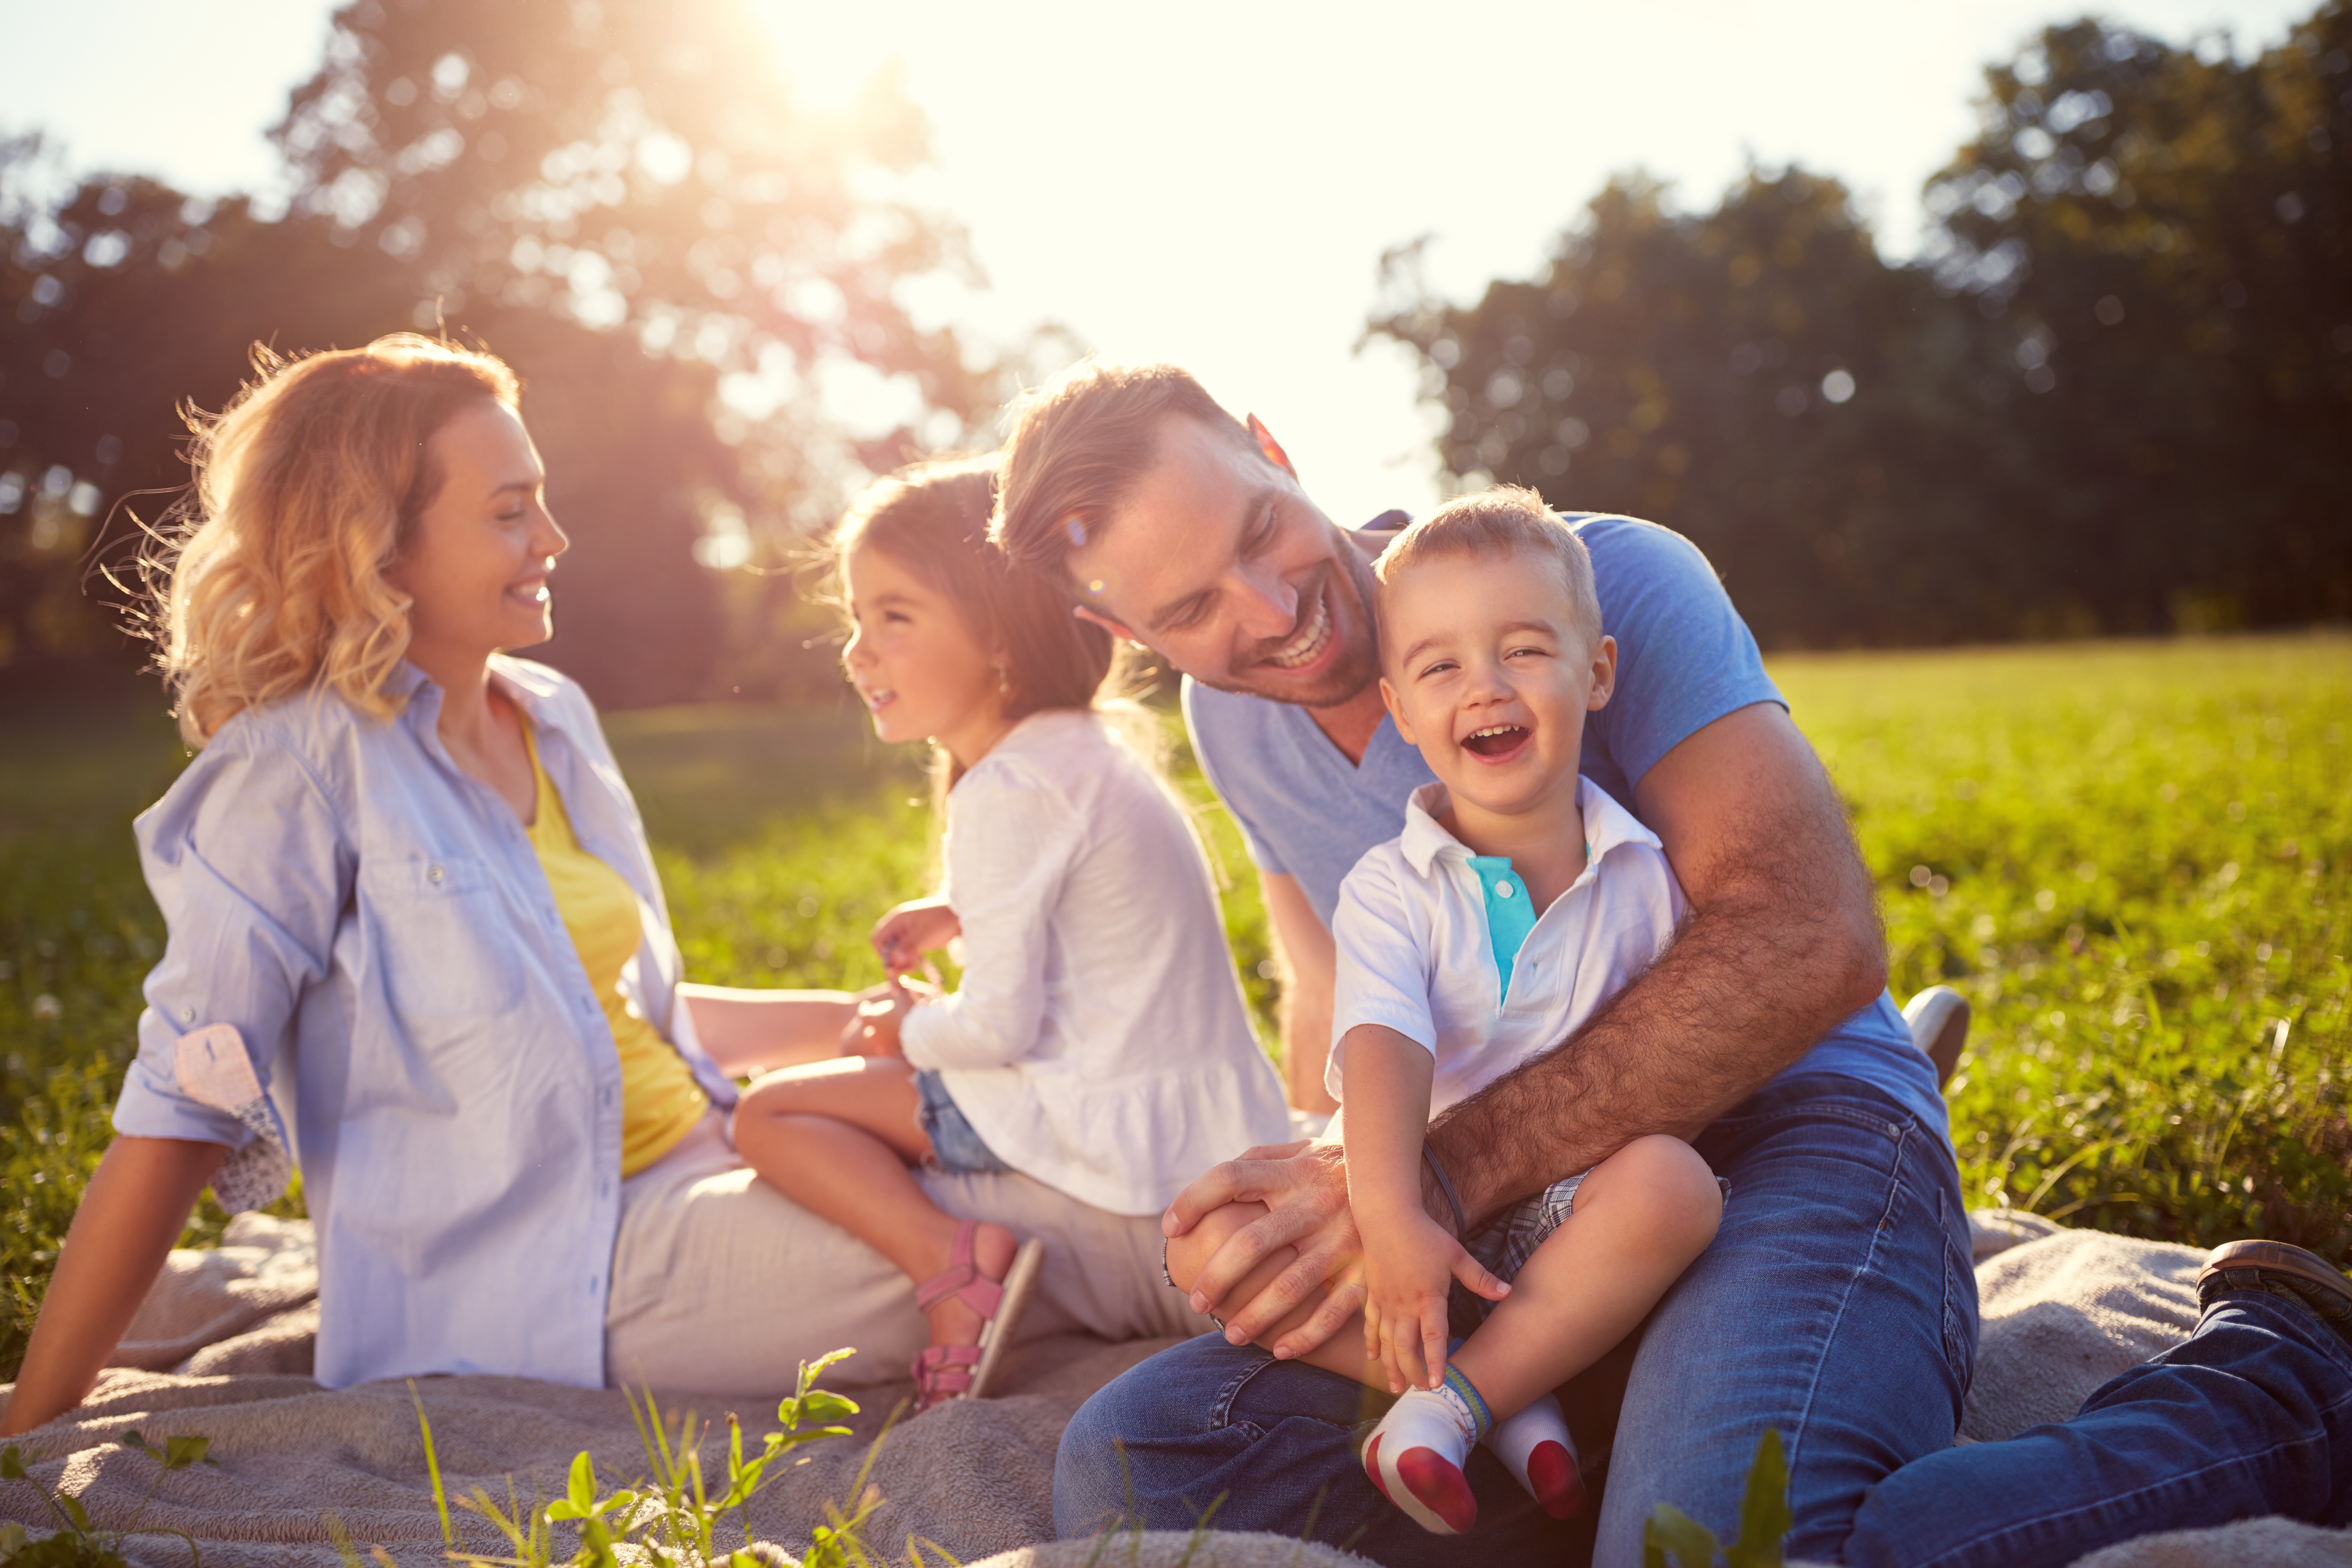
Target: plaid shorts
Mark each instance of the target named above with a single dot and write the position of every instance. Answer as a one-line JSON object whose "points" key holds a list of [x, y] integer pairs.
{"points": [[1505, 1243]]}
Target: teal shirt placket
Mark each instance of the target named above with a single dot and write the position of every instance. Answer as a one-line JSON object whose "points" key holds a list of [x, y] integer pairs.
{"points": [[1510, 915]]}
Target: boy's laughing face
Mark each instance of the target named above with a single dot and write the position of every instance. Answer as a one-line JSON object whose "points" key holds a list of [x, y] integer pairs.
{"points": [[1485, 670]]}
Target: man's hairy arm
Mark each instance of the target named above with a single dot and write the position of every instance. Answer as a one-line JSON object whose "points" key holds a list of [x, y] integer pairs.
{"points": [[1308, 961], [1782, 940]]}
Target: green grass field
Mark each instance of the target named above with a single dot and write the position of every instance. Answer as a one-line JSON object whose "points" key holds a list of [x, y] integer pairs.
{"points": [[2132, 857]]}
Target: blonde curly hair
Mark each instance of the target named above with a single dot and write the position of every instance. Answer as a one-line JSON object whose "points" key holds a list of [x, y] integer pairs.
{"points": [[307, 486]]}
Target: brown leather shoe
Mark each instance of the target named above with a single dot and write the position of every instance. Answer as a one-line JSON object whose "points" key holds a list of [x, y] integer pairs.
{"points": [[2281, 1270]]}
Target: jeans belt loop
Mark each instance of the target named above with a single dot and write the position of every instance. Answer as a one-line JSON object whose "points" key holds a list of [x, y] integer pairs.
{"points": [[1445, 1185]]}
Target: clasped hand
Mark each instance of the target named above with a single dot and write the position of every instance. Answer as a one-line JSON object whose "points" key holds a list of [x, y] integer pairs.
{"points": [[1304, 1186]]}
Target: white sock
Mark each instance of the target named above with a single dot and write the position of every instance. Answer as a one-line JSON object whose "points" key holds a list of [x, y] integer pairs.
{"points": [[1535, 1446], [1416, 1453]]}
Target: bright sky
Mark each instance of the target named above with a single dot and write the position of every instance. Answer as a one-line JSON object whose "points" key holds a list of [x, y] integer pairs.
{"points": [[1214, 184]]}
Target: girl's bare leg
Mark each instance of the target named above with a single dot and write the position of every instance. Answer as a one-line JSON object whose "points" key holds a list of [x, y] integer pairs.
{"points": [[837, 1137], [1642, 1216]]}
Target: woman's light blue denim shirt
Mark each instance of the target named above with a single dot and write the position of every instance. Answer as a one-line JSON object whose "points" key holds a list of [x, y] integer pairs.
{"points": [[375, 922]]}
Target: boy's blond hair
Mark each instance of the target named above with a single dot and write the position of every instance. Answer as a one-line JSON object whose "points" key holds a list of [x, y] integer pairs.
{"points": [[1498, 522]]}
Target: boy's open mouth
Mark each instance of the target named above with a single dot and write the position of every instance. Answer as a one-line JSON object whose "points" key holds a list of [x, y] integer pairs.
{"points": [[1496, 740]]}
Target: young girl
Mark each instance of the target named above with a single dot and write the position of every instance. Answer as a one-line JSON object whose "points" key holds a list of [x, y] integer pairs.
{"points": [[1097, 1042]]}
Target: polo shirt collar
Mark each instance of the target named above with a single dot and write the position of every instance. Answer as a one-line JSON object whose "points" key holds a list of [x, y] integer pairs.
{"points": [[1607, 824]]}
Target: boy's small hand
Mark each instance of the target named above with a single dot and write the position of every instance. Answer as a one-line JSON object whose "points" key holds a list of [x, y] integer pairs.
{"points": [[1409, 1262]]}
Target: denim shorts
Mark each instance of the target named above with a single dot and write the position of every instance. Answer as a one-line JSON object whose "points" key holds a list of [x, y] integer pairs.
{"points": [[956, 1147]]}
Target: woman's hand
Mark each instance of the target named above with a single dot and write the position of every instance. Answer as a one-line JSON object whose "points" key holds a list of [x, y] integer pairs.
{"points": [[913, 929], [1409, 1263], [873, 1032]]}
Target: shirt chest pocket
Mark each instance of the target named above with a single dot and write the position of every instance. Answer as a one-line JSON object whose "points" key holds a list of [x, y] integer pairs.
{"points": [[440, 936]]}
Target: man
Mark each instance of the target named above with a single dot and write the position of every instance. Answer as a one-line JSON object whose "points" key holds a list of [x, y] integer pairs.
{"points": [[1836, 1305]]}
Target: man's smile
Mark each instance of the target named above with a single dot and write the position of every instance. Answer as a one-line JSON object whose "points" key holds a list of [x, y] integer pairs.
{"points": [[1309, 640]]}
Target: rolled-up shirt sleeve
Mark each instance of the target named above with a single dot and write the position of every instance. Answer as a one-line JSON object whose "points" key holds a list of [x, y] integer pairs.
{"points": [[1010, 844], [246, 861], [1383, 972]]}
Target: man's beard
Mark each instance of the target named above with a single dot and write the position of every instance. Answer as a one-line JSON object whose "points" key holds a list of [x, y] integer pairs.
{"points": [[1358, 662]]}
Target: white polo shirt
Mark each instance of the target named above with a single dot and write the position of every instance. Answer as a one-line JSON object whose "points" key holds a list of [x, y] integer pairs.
{"points": [[1418, 951]]}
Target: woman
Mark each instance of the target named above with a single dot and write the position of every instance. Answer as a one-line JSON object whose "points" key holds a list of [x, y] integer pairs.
{"points": [[413, 918]]}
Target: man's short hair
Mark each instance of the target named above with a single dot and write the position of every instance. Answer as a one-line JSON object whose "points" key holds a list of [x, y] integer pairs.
{"points": [[1079, 444], [1498, 522]]}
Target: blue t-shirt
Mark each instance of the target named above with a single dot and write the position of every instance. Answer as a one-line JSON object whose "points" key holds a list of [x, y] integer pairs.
{"points": [[1685, 658]]}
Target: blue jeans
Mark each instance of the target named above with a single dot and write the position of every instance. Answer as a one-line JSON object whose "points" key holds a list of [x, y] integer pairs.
{"points": [[957, 1146], [1836, 1303], [2252, 1415]]}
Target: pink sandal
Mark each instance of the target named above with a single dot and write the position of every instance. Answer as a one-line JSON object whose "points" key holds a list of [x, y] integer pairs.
{"points": [[963, 1372]]}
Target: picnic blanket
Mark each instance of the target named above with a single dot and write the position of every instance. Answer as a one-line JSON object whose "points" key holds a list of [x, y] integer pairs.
{"points": [[221, 1348]]}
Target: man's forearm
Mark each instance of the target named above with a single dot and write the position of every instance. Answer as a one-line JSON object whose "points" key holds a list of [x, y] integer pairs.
{"points": [[1712, 1021], [1785, 942]]}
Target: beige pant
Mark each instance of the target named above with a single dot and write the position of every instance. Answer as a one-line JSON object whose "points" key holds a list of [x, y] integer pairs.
{"points": [[722, 1285]]}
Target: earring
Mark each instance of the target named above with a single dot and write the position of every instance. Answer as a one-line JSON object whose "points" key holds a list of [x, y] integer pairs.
{"points": [[1004, 683]]}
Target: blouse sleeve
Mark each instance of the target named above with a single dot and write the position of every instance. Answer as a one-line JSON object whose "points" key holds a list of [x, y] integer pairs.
{"points": [[245, 859], [1010, 841]]}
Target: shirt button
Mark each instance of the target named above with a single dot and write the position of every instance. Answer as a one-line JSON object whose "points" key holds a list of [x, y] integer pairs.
{"points": [[434, 876], [188, 1015], [1502, 890]]}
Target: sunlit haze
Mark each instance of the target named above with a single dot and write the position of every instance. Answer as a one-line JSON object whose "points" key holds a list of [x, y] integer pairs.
{"points": [[1216, 184]]}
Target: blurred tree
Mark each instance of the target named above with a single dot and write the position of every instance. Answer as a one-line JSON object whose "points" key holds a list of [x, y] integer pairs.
{"points": [[2161, 243], [625, 200], [2113, 395], [1755, 376]]}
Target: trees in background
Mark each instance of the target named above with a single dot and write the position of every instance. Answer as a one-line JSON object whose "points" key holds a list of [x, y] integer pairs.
{"points": [[625, 200], [2114, 394]]}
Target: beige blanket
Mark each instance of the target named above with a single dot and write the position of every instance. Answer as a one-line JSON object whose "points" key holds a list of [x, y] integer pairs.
{"points": [[2064, 1311]]}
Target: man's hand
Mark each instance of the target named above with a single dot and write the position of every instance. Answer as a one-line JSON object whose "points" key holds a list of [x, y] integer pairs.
{"points": [[1304, 1186], [911, 930], [1408, 1264]]}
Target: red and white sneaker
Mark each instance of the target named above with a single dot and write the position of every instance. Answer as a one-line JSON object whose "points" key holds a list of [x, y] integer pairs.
{"points": [[1535, 1446], [1415, 1457]]}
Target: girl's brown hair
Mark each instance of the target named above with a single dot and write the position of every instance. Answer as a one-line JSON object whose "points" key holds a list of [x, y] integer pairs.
{"points": [[307, 486], [932, 519]]}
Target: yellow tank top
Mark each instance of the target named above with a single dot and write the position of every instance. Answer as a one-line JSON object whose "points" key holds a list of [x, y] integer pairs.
{"points": [[660, 1101]]}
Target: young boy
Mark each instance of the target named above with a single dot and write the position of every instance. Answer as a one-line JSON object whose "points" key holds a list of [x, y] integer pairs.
{"points": [[1517, 901]]}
